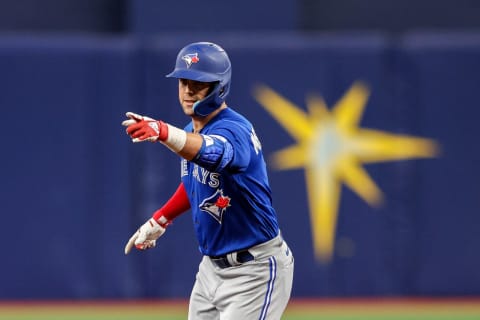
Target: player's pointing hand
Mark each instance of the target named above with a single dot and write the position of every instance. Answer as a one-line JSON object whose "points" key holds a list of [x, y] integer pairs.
{"points": [[143, 128]]}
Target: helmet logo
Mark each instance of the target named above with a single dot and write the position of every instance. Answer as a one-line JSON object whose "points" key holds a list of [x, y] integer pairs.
{"points": [[190, 58]]}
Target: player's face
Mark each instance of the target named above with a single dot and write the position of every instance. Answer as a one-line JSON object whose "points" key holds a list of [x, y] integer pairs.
{"points": [[191, 91]]}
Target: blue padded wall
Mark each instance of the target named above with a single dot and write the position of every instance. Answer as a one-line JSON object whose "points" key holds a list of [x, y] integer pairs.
{"points": [[74, 188]]}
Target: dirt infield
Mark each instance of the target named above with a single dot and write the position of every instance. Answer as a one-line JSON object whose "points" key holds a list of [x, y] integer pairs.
{"points": [[298, 309]]}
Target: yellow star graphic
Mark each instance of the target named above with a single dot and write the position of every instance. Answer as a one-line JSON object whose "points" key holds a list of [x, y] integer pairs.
{"points": [[332, 148]]}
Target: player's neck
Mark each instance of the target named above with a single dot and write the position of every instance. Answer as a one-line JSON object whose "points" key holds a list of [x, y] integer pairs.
{"points": [[200, 122]]}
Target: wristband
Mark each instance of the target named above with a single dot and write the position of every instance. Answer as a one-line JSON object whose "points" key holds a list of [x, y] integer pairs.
{"points": [[176, 138]]}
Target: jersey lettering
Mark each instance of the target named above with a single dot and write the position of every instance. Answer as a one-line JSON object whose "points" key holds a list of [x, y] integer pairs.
{"points": [[204, 176], [184, 168], [195, 172], [200, 174], [214, 180], [256, 142]]}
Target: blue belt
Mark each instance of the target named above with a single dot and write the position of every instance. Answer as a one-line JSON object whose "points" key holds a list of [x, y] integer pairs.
{"points": [[223, 262]]}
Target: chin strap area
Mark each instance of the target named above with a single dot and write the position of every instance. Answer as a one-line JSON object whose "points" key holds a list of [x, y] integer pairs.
{"points": [[210, 103]]}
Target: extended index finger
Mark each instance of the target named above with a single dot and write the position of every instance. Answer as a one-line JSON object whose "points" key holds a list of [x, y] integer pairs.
{"points": [[131, 243]]}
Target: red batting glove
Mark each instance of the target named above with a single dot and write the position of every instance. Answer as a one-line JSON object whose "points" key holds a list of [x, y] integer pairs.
{"points": [[142, 128]]}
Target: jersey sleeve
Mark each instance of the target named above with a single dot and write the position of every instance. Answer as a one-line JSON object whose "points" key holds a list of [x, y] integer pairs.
{"points": [[239, 138]]}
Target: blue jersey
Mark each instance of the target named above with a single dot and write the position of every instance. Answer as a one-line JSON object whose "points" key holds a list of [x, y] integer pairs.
{"points": [[231, 209]]}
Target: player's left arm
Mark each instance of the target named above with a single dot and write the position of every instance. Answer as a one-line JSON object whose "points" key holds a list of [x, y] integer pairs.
{"points": [[146, 236]]}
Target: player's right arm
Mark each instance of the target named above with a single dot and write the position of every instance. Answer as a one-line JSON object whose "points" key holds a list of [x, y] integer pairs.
{"points": [[211, 152], [146, 236], [142, 128]]}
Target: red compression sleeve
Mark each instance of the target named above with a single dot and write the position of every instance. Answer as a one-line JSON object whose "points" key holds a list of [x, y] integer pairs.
{"points": [[175, 206]]}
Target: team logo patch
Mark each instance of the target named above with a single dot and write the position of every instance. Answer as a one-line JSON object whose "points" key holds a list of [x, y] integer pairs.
{"points": [[216, 205], [190, 58]]}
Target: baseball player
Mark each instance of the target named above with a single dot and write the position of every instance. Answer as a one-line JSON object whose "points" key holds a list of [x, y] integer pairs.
{"points": [[247, 267]]}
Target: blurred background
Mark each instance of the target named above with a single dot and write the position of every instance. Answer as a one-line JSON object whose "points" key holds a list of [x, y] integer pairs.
{"points": [[74, 187]]}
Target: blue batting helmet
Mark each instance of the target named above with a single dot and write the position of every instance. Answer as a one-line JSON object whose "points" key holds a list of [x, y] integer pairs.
{"points": [[205, 62]]}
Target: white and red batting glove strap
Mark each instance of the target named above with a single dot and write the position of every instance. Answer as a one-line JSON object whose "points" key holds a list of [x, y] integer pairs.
{"points": [[146, 236]]}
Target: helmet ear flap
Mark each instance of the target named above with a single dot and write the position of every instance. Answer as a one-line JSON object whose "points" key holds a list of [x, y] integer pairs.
{"points": [[223, 92], [211, 102]]}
